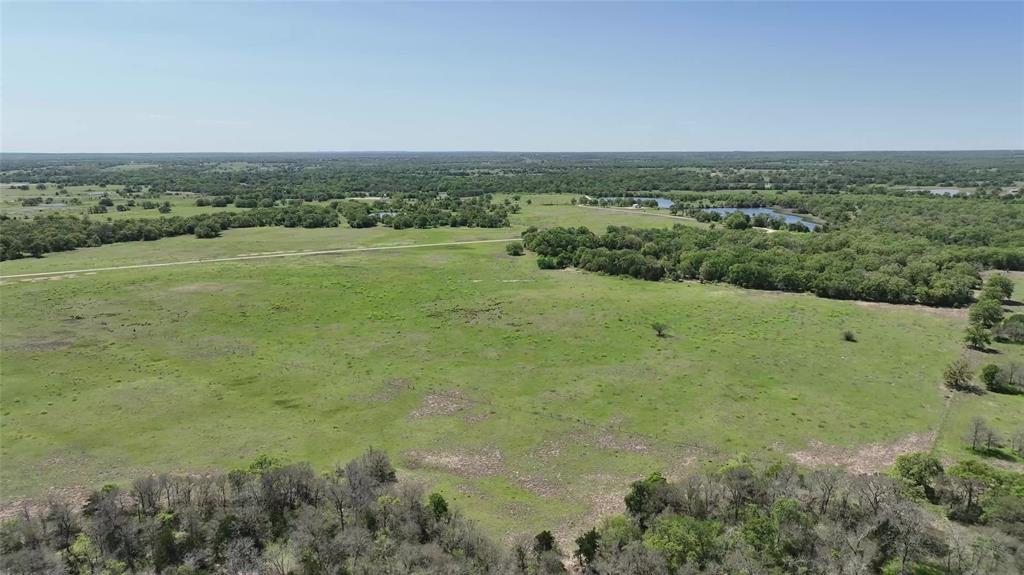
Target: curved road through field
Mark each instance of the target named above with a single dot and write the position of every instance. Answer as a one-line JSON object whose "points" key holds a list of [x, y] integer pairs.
{"points": [[252, 257]]}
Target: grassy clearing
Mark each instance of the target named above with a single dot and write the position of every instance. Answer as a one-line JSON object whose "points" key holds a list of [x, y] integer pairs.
{"points": [[538, 387]]}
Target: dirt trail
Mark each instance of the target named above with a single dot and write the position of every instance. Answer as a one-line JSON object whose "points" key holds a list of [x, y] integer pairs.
{"points": [[251, 257]]}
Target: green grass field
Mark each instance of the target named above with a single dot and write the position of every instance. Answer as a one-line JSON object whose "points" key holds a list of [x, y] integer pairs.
{"points": [[528, 397]]}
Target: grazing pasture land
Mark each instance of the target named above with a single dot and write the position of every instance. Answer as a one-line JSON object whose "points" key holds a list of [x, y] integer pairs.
{"points": [[530, 397]]}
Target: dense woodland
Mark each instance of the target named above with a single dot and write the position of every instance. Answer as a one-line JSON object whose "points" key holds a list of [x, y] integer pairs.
{"points": [[840, 265], [739, 518], [330, 176]]}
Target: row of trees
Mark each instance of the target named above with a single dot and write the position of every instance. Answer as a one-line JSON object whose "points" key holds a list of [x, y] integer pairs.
{"points": [[987, 313], [358, 519], [62, 232], [840, 265]]}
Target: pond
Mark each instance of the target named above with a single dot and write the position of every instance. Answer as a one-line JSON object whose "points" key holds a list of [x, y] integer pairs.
{"points": [[788, 218], [665, 203]]}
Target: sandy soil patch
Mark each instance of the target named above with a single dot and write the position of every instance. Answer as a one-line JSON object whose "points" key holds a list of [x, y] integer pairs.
{"points": [[870, 458], [614, 442], [607, 498], [472, 464], [442, 403]]}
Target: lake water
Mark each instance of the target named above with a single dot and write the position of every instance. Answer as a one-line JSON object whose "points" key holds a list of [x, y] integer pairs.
{"points": [[666, 203], [788, 218]]}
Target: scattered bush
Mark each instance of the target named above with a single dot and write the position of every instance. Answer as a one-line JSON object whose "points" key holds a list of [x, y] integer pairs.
{"points": [[1011, 330], [957, 376], [514, 248]]}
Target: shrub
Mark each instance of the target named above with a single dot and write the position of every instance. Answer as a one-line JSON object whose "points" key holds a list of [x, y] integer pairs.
{"points": [[1011, 330], [958, 375], [207, 229], [514, 248], [548, 263]]}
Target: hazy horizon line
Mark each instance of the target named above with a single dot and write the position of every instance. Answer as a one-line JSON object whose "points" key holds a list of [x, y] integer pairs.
{"points": [[496, 151]]}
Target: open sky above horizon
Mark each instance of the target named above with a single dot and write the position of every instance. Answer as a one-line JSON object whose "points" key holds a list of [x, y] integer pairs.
{"points": [[260, 77]]}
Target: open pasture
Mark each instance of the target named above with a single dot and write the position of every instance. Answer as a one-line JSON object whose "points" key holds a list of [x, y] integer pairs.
{"points": [[529, 397]]}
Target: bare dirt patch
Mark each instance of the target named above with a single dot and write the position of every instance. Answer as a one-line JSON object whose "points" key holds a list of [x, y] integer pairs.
{"points": [[485, 312], [950, 312], [616, 442], [478, 417], [605, 499], [472, 464], [870, 458], [440, 404], [75, 496]]}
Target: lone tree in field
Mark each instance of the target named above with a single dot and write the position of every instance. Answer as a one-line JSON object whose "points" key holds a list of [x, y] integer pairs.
{"points": [[987, 312], [977, 337], [979, 434], [958, 375], [661, 329]]}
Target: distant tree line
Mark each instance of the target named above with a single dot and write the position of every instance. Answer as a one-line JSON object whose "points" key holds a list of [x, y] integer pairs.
{"points": [[742, 517], [62, 232], [322, 177], [847, 265]]}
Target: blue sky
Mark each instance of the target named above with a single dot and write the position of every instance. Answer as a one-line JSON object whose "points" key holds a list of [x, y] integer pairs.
{"points": [[155, 77]]}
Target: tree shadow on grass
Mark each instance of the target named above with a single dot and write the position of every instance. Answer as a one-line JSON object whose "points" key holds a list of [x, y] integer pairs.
{"points": [[996, 453]]}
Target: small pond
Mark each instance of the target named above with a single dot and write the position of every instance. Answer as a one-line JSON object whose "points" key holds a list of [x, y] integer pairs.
{"points": [[788, 218]]}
